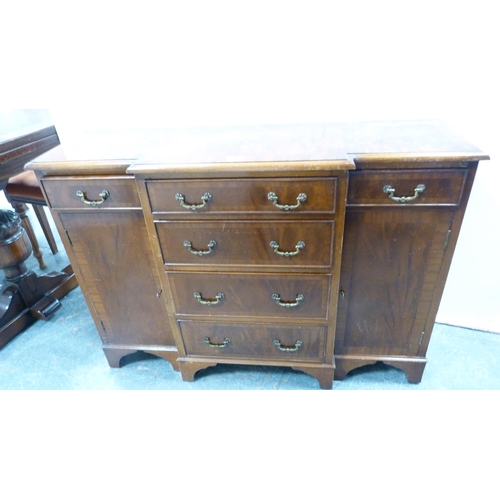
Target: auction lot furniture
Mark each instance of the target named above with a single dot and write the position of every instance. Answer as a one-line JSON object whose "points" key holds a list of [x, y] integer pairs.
{"points": [[321, 247]]}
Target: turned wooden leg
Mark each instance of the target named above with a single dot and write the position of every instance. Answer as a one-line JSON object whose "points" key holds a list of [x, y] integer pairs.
{"points": [[21, 210]]}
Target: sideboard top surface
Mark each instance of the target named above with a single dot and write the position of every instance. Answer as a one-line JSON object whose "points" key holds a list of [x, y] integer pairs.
{"points": [[317, 145]]}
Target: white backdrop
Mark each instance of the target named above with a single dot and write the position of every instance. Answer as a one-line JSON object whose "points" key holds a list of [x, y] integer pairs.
{"points": [[124, 65]]}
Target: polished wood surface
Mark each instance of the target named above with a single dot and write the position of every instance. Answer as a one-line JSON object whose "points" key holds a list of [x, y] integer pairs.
{"points": [[248, 196], [62, 195], [402, 252], [247, 244], [311, 145], [243, 213], [250, 295], [369, 293], [257, 341], [117, 274], [216, 151], [441, 187]]}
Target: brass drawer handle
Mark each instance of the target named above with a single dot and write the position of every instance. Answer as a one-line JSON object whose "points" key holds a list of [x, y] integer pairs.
{"points": [[298, 299], [298, 247], [202, 301], [274, 198], [104, 195], [226, 342], [281, 347], [403, 199], [205, 199], [211, 245]]}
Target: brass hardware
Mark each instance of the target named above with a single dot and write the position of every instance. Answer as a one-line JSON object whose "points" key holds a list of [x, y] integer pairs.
{"points": [[295, 348], [104, 195], [274, 198], [342, 293], [211, 245], [218, 298], [226, 342], [299, 246], [205, 198], [159, 293], [298, 299], [403, 199]]}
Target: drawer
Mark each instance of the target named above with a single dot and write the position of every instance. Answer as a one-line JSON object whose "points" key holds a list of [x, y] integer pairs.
{"points": [[396, 188], [264, 196], [288, 245], [106, 192], [254, 341], [250, 295]]}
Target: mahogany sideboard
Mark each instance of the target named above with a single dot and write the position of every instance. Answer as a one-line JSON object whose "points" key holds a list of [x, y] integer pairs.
{"points": [[321, 247]]}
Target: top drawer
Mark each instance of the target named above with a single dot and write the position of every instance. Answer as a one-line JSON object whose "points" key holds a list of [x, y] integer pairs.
{"points": [[263, 196], [396, 188], [91, 192]]}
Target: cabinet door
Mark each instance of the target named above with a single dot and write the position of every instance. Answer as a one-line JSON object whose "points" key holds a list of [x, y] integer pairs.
{"points": [[390, 268], [113, 262]]}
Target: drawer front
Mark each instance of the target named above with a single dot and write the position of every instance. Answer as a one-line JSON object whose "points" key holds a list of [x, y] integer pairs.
{"points": [[396, 188], [267, 341], [263, 295], [290, 245], [93, 192], [262, 196]]}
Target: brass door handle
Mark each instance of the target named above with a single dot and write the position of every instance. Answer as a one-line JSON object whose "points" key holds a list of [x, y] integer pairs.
{"points": [[205, 199], [211, 245], [204, 302], [403, 199], [226, 342], [298, 299], [298, 247], [104, 195], [283, 348], [274, 198]]}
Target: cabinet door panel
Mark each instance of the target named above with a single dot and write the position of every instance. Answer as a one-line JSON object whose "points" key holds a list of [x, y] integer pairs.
{"points": [[112, 253], [390, 268]]}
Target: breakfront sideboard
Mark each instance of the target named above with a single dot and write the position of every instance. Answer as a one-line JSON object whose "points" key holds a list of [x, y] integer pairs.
{"points": [[320, 247]]}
